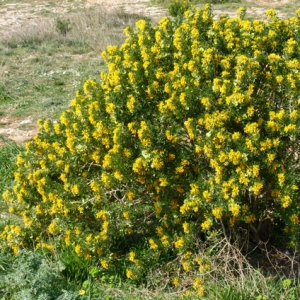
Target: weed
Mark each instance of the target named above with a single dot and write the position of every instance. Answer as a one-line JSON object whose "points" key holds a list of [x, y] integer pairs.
{"points": [[62, 26], [30, 275], [4, 96]]}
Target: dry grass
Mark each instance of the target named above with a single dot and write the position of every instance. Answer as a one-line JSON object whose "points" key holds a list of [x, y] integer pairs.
{"points": [[96, 28], [99, 28]]}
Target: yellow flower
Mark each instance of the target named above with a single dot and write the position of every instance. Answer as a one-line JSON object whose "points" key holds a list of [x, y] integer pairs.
{"points": [[286, 201], [234, 208], [207, 196], [275, 193], [118, 175], [274, 57], [250, 111], [51, 227], [270, 13], [75, 189], [89, 86], [281, 178], [67, 237], [175, 281], [159, 231], [106, 161], [257, 187], [77, 230], [236, 136], [251, 128], [146, 142], [272, 125], [94, 187], [185, 265], [153, 245], [294, 114], [279, 78], [110, 107], [280, 114], [139, 166], [194, 189], [270, 157], [206, 225], [182, 99], [78, 249], [129, 273], [105, 178], [87, 256], [126, 152], [197, 282], [126, 215], [15, 249], [163, 182], [157, 162], [81, 292], [185, 226], [255, 170], [294, 218], [171, 137], [289, 128], [217, 212], [179, 170], [200, 291], [131, 256], [250, 219], [130, 195], [20, 160], [104, 264], [189, 129], [105, 226], [141, 25], [165, 241], [130, 103]]}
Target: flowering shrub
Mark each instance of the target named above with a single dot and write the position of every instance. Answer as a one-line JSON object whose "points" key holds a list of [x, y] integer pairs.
{"points": [[193, 128]]}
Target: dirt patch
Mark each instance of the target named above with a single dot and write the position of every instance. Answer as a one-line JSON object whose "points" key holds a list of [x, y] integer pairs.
{"points": [[16, 130]]}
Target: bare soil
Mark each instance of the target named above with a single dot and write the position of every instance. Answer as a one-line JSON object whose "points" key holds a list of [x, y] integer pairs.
{"points": [[11, 129]]}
